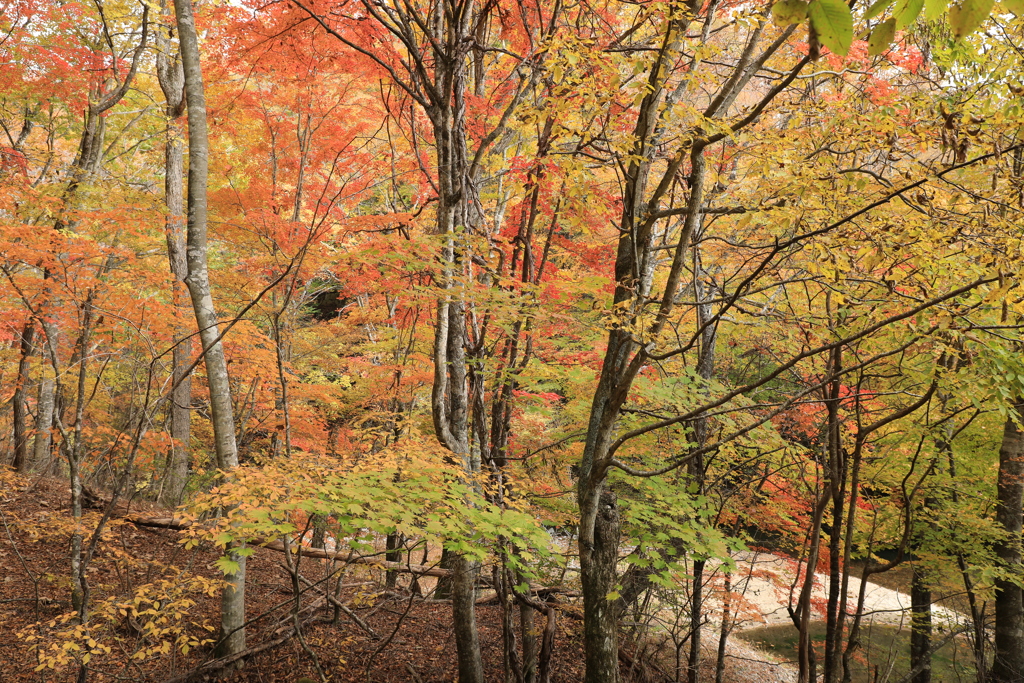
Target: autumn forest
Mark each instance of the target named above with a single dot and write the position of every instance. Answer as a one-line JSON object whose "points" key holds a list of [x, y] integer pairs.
{"points": [[484, 340]]}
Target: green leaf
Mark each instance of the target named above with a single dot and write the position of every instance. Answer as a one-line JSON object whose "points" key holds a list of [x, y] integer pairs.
{"points": [[786, 12], [933, 9], [227, 566], [614, 595], [906, 12], [877, 8], [968, 16], [881, 37], [833, 23]]}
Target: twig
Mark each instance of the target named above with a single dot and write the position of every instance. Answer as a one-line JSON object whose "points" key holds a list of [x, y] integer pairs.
{"points": [[344, 608], [217, 664]]}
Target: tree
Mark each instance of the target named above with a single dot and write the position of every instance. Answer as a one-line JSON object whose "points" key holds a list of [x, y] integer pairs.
{"points": [[643, 319], [171, 78], [232, 635]]}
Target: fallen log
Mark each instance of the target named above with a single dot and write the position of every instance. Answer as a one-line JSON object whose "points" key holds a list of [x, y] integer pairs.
{"points": [[159, 522]]}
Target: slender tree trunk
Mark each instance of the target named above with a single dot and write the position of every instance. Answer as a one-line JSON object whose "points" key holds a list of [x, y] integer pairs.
{"points": [[450, 402], [696, 468], [806, 659], [598, 558], [73, 450], [696, 624], [232, 627], [393, 544], [22, 463], [723, 634], [921, 627], [171, 77], [44, 423], [467, 639], [528, 635], [1008, 665], [837, 467]]}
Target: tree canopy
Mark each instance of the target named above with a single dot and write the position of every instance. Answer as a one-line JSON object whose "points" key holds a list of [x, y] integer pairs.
{"points": [[580, 302]]}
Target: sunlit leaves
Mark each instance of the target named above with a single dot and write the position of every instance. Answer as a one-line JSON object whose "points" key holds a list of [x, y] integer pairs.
{"points": [[882, 37], [933, 9], [409, 490], [832, 23], [1015, 6], [968, 15], [788, 12], [877, 7], [905, 12]]}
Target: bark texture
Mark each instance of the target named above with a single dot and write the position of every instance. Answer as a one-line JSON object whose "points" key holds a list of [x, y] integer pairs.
{"points": [[232, 627], [1008, 663], [172, 81], [44, 424], [600, 623], [22, 462], [921, 628]]}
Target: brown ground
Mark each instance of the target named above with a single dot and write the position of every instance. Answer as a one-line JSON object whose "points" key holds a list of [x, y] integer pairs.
{"points": [[412, 638]]}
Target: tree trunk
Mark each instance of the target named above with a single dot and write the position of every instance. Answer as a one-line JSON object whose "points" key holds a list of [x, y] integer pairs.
{"points": [[44, 423], [22, 463], [921, 627], [696, 468], [450, 407], [467, 640], [1008, 665], [528, 634], [232, 627], [696, 611], [393, 544], [598, 560], [806, 658], [836, 474], [723, 634], [171, 77]]}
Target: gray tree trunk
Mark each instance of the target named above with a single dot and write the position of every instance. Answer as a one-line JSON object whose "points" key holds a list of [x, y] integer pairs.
{"points": [[599, 572], [172, 77], [1008, 665], [696, 468], [44, 423], [232, 629], [921, 627], [22, 462]]}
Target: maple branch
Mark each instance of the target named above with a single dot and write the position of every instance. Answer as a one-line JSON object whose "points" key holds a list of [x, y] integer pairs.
{"points": [[738, 79], [548, 447], [713, 211], [411, 91], [730, 302], [899, 414], [281, 636], [410, 12]]}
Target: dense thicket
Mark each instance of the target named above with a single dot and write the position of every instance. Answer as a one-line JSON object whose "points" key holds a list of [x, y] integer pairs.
{"points": [[593, 297]]}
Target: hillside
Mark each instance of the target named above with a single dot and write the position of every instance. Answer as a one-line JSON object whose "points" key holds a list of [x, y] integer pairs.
{"points": [[512, 340], [390, 637]]}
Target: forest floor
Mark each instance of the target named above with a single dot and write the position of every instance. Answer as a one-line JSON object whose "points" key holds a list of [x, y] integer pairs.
{"points": [[387, 637]]}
